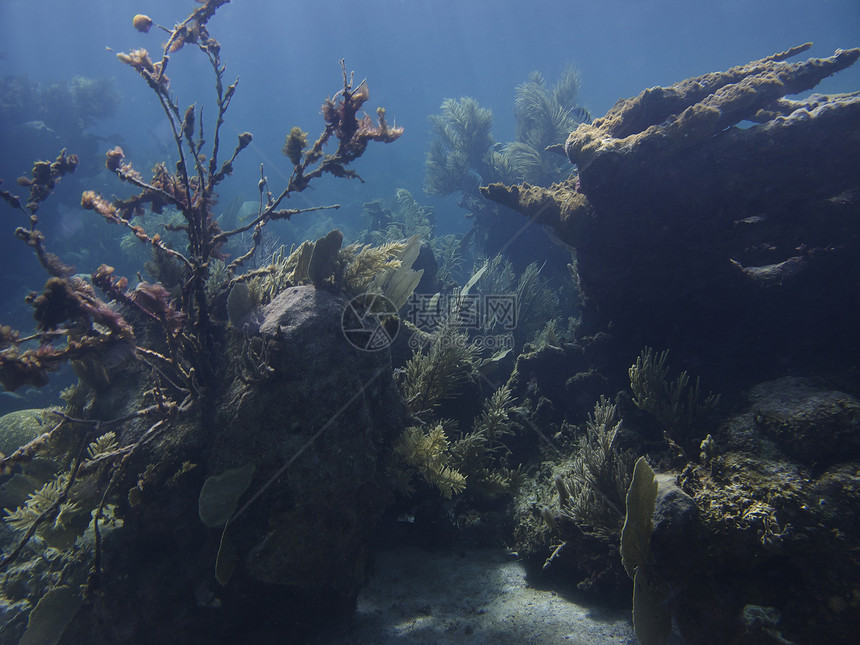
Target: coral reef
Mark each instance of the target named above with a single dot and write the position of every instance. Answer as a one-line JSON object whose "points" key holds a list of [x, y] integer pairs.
{"points": [[770, 532], [723, 235], [189, 379], [675, 404], [463, 154]]}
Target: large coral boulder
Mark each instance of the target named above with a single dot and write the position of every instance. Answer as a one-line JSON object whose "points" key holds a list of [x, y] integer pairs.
{"points": [[718, 218], [316, 421], [291, 451], [815, 427], [21, 426]]}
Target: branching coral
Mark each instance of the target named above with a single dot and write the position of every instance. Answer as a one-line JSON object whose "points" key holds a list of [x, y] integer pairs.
{"points": [[660, 120], [187, 364], [175, 333], [592, 492], [426, 453], [67, 309], [675, 404]]}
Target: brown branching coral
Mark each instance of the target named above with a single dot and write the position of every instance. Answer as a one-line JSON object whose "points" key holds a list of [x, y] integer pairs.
{"points": [[353, 134], [178, 337], [191, 189], [69, 307]]}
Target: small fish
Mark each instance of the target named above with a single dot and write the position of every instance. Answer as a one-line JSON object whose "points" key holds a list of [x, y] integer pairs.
{"points": [[581, 115], [752, 219], [38, 126], [11, 395]]}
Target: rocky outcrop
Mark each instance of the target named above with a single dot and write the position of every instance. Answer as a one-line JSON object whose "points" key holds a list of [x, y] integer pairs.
{"points": [[717, 218], [774, 535], [319, 420], [306, 420]]}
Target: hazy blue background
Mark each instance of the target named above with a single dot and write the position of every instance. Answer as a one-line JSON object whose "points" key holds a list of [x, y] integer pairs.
{"points": [[414, 54]]}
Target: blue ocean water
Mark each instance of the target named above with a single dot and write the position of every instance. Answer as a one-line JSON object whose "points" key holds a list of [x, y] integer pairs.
{"points": [[413, 54]]}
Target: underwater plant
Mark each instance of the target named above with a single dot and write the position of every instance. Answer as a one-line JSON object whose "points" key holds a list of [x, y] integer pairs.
{"points": [[545, 116], [481, 453], [438, 371], [463, 152], [425, 452], [475, 460], [463, 156], [535, 300], [593, 491], [677, 404], [405, 219], [169, 328]]}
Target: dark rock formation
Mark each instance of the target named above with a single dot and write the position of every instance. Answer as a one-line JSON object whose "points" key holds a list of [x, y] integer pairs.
{"points": [[770, 532], [326, 409], [313, 415], [737, 247], [814, 427]]}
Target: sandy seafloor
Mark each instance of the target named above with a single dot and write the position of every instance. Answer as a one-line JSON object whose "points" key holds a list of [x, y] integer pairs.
{"points": [[471, 596]]}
